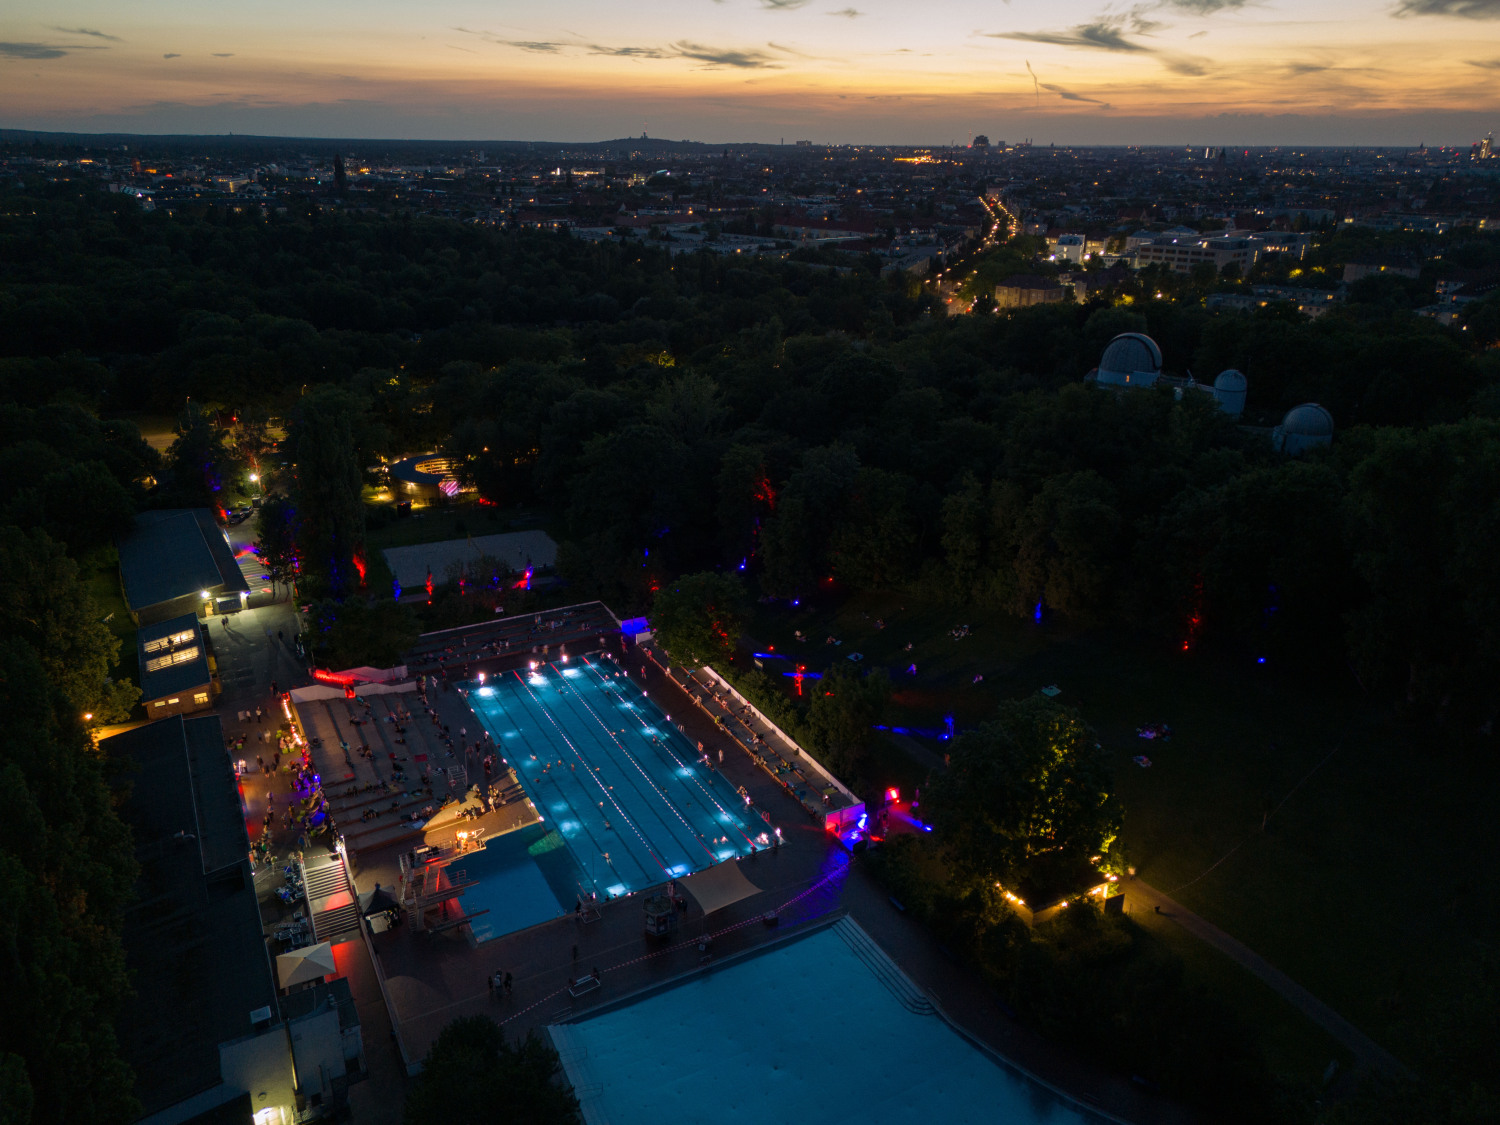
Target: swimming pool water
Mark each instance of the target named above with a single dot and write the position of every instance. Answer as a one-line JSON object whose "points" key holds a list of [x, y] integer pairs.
{"points": [[524, 878], [805, 1032], [605, 768]]}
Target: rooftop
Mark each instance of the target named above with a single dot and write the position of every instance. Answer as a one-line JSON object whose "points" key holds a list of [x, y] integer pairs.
{"points": [[193, 937], [173, 656], [175, 552]]}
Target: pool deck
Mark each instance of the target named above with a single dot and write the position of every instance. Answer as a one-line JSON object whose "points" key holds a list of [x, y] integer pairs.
{"points": [[431, 979]]}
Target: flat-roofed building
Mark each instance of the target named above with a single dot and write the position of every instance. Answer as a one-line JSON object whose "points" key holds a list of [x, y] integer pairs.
{"points": [[1183, 254], [178, 675], [206, 1031]]}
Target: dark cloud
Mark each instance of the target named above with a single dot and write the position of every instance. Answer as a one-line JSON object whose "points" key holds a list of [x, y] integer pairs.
{"points": [[1205, 7], [1463, 9], [223, 54], [1110, 34], [172, 55], [1487, 64], [848, 13], [1104, 35], [739, 60], [31, 51], [784, 5], [1069, 95], [87, 31], [629, 52]]}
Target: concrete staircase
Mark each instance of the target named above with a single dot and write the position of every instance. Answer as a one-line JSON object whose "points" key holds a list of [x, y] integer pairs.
{"points": [[907, 994]]}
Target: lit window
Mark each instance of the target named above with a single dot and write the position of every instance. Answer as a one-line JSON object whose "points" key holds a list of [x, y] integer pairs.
{"points": [[158, 703], [201, 697], [181, 656], [174, 700]]}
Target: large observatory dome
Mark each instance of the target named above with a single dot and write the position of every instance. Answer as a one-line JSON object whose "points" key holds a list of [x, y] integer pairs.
{"points": [[1308, 420], [1131, 358], [1304, 427]]}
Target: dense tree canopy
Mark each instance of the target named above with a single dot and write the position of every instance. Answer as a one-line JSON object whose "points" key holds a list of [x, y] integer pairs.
{"points": [[1027, 794], [473, 1074], [699, 617]]}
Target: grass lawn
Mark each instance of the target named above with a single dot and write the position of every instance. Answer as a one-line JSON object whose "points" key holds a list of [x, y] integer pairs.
{"points": [[1361, 886]]}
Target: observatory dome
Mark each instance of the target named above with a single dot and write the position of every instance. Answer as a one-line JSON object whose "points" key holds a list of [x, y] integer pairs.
{"points": [[1230, 389], [1304, 427], [1308, 420], [1131, 357]]}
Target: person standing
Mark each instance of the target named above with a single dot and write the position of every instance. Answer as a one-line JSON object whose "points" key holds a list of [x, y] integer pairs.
{"points": [[508, 982]]}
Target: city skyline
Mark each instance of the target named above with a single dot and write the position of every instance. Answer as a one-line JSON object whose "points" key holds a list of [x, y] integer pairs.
{"points": [[1166, 72]]}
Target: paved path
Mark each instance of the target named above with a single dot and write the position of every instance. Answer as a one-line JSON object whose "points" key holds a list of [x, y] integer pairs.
{"points": [[1368, 1055]]}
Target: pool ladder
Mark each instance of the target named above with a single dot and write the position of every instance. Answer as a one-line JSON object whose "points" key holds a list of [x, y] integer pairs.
{"points": [[907, 994]]}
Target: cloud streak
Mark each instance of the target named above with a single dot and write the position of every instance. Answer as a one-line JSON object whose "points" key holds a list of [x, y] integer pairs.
{"points": [[716, 58], [1460, 9], [1071, 96], [1101, 36], [87, 31], [34, 51]]}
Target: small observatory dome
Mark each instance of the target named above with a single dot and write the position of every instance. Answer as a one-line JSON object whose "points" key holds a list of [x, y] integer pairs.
{"points": [[1230, 388]]}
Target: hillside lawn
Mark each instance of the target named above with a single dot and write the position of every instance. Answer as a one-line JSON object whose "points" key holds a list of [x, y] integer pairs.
{"points": [[1362, 886]]}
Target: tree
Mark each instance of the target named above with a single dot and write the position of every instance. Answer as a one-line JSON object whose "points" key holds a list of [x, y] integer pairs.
{"points": [[327, 491], [846, 705], [275, 540], [1066, 545], [1026, 792], [699, 618], [47, 606], [357, 631], [200, 464], [68, 867], [473, 1075]]}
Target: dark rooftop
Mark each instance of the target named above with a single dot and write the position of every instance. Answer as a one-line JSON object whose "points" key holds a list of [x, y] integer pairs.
{"points": [[193, 937], [181, 675], [173, 553]]}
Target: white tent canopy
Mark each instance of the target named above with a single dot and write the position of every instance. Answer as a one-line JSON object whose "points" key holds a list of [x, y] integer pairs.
{"points": [[300, 965], [717, 887]]}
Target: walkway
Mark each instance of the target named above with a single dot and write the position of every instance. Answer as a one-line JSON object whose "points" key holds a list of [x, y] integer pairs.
{"points": [[1368, 1055]]}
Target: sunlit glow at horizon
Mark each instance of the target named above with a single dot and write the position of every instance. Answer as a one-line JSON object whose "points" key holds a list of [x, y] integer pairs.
{"points": [[1070, 71]]}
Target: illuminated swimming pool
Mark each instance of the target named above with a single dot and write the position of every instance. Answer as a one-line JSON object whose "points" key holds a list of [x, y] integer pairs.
{"points": [[523, 878], [816, 1029], [610, 773]]}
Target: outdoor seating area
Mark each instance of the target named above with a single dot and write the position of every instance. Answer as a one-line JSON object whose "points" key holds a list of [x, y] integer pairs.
{"points": [[767, 747], [389, 765]]}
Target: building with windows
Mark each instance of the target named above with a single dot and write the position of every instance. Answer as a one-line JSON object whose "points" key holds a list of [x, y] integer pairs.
{"points": [[177, 561], [1028, 289], [178, 672], [1183, 254]]}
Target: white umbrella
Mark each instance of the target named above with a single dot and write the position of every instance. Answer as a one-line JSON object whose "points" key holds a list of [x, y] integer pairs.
{"points": [[312, 963]]}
